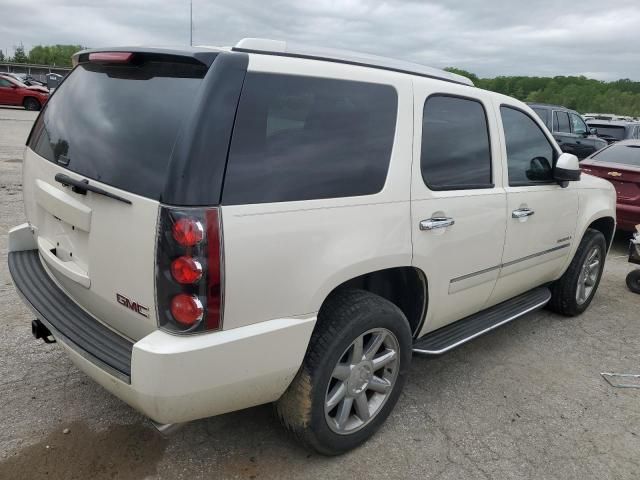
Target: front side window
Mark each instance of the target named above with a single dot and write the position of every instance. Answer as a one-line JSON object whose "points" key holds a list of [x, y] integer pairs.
{"points": [[529, 154], [561, 122], [579, 127], [456, 153], [304, 138], [4, 83]]}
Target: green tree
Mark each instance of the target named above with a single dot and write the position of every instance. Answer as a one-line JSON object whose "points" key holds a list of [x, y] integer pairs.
{"points": [[2, 59], [19, 56], [58, 55]]}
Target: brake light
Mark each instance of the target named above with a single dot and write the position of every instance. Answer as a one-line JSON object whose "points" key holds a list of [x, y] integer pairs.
{"points": [[186, 270], [110, 57], [189, 270], [186, 309], [188, 231]]}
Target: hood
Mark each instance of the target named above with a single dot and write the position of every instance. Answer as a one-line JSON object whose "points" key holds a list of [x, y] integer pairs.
{"points": [[37, 88]]}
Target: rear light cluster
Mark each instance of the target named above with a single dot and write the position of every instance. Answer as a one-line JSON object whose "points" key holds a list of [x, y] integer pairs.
{"points": [[189, 270]]}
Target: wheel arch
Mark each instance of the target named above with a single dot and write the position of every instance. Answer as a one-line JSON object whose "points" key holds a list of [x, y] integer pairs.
{"points": [[404, 286]]}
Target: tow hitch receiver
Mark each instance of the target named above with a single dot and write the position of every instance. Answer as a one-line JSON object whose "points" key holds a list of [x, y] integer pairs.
{"points": [[39, 330]]}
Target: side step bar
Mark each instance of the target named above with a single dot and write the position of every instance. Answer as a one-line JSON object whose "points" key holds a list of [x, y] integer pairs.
{"points": [[450, 336]]}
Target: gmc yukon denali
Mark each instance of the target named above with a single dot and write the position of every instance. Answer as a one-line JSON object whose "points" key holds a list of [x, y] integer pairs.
{"points": [[211, 229]]}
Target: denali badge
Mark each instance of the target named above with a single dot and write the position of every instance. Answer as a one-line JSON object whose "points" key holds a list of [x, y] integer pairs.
{"points": [[135, 306]]}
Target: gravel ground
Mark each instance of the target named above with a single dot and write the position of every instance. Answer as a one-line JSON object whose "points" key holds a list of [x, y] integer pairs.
{"points": [[524, 402]]}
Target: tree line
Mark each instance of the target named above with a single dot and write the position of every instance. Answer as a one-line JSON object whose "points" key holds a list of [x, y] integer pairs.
{"points": [[585, 95], [52, 55]]}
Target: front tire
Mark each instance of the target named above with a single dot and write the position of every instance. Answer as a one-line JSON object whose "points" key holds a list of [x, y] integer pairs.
{"points": [[573, 292], [352, 374], [31, 104]]}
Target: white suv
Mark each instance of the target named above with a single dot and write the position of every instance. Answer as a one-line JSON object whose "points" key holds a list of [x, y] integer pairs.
{"points": [[213, 229]]}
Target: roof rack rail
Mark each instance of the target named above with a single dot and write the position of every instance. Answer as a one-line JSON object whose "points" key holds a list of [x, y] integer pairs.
{"points": [[285, 49]]}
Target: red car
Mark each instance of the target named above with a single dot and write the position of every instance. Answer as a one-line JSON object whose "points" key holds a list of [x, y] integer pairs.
{"points": [[620, 164], [14, 92]]}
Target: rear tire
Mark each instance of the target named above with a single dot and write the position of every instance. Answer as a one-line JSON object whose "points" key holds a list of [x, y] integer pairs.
{"points": [[352, 374], [633, 281], [31, 103], [573, 292]]}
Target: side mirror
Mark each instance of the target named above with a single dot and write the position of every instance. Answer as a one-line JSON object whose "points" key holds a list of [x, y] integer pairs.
{"points": [[539, 170], [593, 131], [567, 168]]}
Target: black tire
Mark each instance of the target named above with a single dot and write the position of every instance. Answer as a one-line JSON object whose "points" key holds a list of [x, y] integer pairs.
{"points": [[633, 281], [563, 291], [31, 103], [344, 317]]}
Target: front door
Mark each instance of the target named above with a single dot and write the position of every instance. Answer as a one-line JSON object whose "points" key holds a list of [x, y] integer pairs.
{"points": [[458, 204], [541, 214], [585, 143], [7, 92]]}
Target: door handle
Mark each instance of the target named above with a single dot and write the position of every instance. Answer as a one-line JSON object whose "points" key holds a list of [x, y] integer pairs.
{"points": [[522, 212], [436, 222]]}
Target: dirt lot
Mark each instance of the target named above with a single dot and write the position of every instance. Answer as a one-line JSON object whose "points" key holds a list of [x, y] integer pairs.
{"points": [[526, 401]]}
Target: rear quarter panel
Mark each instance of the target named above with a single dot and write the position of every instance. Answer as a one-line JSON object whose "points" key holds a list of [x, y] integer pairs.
{"points": [[283, 259]]}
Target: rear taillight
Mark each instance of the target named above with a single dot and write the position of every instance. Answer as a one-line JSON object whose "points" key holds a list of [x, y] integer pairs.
{"points": [[189, 270], [110, 57]]}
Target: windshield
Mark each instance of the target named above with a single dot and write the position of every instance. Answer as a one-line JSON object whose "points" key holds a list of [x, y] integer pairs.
{"points": [[118, 124]]}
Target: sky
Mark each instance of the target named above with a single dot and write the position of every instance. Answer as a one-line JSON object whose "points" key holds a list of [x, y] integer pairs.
{"points": [[596, 38]]}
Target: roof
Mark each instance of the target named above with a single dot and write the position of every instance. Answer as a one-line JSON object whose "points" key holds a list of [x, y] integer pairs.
{"points": [[286, 49], [549, 105]]}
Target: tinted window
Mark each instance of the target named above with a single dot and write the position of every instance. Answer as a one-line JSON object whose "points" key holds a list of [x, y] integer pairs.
{"points": [[301, 138], [561, 122], [625, 154], [578, 125], [455, 144], [4, 83], [543, 113], [529, 154], [610, 131], [118, 124]]}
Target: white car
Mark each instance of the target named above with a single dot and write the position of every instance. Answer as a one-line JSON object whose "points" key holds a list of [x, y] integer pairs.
{"points": [[213, 229]]}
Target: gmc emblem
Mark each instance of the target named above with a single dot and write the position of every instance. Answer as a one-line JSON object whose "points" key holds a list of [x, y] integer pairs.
{"points": [[135, 306]]}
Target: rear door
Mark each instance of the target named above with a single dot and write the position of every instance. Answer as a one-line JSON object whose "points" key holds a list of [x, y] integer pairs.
{"points": [[457, 199], [113, 126]]}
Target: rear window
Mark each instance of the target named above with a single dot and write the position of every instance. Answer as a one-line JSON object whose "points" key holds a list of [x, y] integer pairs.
{"points": [[624, 154], [302, 138], [118, 124], [609, 131]]}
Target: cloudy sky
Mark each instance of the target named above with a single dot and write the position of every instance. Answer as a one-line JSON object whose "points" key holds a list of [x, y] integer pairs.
{"points": [[596, 38]]}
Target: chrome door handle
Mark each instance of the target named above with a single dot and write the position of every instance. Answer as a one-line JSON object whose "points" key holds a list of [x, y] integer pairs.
{"points": [[522, 212], [436, 222]]}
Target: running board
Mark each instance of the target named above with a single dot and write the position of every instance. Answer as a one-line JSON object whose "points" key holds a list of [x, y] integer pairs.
{"points": [[457, 333]]}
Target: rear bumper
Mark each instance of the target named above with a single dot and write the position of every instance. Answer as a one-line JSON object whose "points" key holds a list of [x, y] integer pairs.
{"points": [[169, 378]]}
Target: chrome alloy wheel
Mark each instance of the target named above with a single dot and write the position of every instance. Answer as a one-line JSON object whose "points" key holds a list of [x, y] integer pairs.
{"points": [[362, 381], [588, 275]]}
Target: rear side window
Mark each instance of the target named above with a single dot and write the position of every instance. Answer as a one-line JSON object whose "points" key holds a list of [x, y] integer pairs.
{"points": [[624, 154], [529, 154], [455, 152], [543, 113], [561, 122], [303, 138], [117, 124]]}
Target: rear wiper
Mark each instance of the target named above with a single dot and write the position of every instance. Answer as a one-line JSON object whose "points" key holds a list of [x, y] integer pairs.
{"points": [[82, 186]]}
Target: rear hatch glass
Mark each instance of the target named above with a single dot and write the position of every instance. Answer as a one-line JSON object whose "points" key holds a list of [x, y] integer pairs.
{"points": [[118, 123]]}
